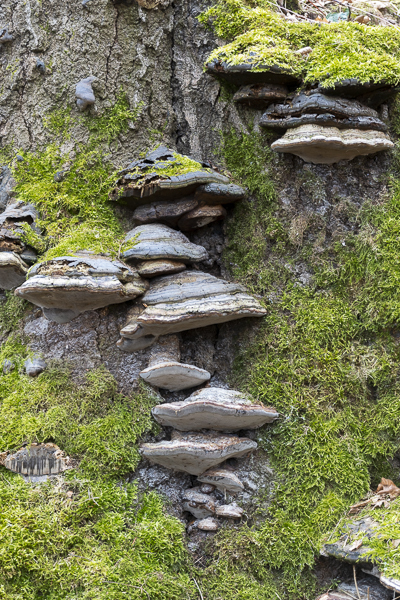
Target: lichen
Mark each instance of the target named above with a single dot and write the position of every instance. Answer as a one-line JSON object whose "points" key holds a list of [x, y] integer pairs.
{"points": [[340, 50]]}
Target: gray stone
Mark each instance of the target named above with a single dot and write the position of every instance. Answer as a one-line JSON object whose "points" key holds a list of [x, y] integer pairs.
{"points": [[195, 452], [157, 241], [34, 366], [59, 176], [84, 93], [8, 366], [5, 37], [214, 408]]}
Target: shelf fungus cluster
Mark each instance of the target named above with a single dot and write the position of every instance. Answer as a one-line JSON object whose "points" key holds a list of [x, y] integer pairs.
{"points": [[323, 129], [66, 286], [166, 187], [16, 254], [320, 125], [203, 438]]}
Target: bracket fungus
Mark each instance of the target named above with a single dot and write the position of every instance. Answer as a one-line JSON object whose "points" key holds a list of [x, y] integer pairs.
{"points": [[195, 453], [84, 93], [36, 460], [223, 479], [166, 187], [327, 145], [66, 286], [229, 511], [199, 505], [15, 254], [251, 72], [214, 408], [207, 524], [157, 241], [188, 300], [260, 95], [319, 109], [166, 372]]}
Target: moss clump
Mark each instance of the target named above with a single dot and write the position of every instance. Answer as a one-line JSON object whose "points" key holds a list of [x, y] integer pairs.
{"points": [[12, 310], [340, 50], [326, 357], [82, 539], [76, 212], [167, 168]]}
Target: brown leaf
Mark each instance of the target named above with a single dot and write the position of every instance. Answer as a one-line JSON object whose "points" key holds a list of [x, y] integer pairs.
{"points": [[387, 486], [356, 545]]}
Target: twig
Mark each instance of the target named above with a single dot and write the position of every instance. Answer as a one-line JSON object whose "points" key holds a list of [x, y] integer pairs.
{"points": [[355, 582], [197, 585]]}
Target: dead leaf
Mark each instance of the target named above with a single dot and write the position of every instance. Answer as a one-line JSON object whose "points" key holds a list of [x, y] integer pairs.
{"points": [[387, 486], [356, 545]]}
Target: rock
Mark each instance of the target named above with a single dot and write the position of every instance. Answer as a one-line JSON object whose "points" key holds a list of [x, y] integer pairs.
{"points": [[37, 460], [189, 300], [214, 408], [34, 366], [250, 73], [368, 589], [229, 511], [157, 241], [195, 452], [165, 212], [156, 268], [69, 285], [259, 96], [8, 366], [84, 93], [198, 504], [174, 376], [200, 217], [59, 176], [328, 145], [143, 181], [219, 193], [5, 37], [13, 270], [224, 480], [41, 67]]}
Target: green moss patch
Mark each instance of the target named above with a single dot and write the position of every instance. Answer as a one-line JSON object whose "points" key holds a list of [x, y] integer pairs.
{"points": [[340, 50]]}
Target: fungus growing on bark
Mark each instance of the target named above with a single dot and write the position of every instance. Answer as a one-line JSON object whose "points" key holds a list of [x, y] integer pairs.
{"points": [[157, 241], [196, 452], [199, 505], [66, 286], [260, 95], [223, 479], [328, 145], [185, 301], [214, 408]]}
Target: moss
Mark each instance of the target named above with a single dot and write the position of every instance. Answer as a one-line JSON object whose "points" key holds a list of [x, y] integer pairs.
{"points": [[326, 356], [12, 310], [340, 50], [75, 212], [165, 169]]}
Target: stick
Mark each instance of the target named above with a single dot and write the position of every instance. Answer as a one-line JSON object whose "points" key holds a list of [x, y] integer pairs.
{"points": [[355, 581], [197, 585]]}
